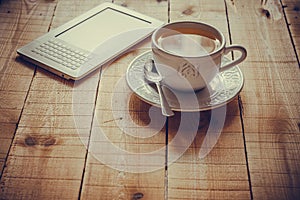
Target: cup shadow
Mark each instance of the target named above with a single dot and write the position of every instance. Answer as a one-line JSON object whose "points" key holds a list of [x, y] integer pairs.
{"points": [[209, 134], [197, 128]]}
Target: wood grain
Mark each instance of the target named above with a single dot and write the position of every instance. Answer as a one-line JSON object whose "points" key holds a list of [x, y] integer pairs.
{"points": [[49, 127], [222, 174], [271, 109], [17, 18], [292, 12], [118, 115], [47, 153]]}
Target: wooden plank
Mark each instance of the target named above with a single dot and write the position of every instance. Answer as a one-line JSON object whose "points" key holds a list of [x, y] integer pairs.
{"points": [[48, 133], [267, 13], [46, 188], [292, 11], [113, 183], [270, 98], [184, 194], [15, 66], [6, 136], [49, 144], [44, 142], [222, 171], [276, 192], [17, 18], [118, 118], [47, 156], [9, 83], [155, 9], [38, 169], [119, 136], [267, 98], [18, 188], [222, 174], [67, 10], [12, 99], [44, 168]]}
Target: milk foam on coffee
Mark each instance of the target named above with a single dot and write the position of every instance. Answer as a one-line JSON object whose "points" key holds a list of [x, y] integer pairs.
{"points": [[188, 45]]}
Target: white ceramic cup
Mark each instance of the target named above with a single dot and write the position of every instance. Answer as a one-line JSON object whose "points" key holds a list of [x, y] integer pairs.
{"points": [[188, 54]]}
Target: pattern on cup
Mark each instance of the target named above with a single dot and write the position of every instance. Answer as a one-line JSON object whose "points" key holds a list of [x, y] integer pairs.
{"points": [[188, 70]]}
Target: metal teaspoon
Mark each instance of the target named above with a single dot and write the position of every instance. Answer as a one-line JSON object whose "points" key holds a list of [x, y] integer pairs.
{"points": [[152, 75]]}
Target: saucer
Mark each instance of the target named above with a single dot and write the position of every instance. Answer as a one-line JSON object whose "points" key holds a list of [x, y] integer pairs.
{"points": [[220, 91]]}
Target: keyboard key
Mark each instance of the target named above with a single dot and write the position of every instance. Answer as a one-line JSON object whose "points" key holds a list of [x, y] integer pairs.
{"points": [[60, 53]]}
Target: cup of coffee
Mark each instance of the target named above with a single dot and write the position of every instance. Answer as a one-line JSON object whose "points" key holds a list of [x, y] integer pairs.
{"points": [[188, 54]]}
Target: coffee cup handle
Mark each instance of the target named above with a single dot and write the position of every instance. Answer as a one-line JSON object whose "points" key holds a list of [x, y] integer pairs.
{"points": [[236, 61]]}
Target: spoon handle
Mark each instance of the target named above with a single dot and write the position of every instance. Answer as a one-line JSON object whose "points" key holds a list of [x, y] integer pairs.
{"points": [[165, 108]]}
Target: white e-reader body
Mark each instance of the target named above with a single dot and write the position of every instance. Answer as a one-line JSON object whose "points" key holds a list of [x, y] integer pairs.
{"points": [[89, 41]]}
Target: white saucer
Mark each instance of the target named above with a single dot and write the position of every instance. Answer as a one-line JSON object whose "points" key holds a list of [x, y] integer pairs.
{"points": [[221, 90]]}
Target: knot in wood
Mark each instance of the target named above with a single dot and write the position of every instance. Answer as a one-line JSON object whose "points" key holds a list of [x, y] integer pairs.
{"points": [[33, 141], [49, 142], [30, 141], [137, 196], [266, 12], [188, 11]]}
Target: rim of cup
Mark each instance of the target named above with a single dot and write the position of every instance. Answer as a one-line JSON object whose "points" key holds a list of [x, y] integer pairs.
{"points": [[210, 28]]}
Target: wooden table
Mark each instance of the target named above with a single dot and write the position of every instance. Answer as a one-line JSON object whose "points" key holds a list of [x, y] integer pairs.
{"points": [[43, 152]]}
